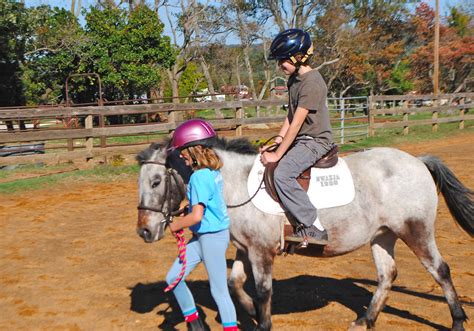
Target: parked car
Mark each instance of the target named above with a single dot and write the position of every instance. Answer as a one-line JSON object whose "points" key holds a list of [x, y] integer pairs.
{"points": [[206, 97]]}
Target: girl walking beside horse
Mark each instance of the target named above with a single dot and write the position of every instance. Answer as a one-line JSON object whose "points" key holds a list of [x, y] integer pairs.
{"points": [[208, 221]]}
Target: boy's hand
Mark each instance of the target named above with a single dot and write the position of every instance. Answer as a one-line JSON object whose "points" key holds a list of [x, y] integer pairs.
{"points": [[269, 157], [263, 149], [273, 146]]}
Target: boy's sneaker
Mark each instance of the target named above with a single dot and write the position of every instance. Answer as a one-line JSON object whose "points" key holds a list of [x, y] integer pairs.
{"points": [[311, 235]]}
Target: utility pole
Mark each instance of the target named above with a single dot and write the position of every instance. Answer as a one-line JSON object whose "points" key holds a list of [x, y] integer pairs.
{"points": [[436, 52], [76, 11]]}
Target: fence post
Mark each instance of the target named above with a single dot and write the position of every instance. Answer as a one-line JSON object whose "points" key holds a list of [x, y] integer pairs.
{"points": [[89, 123], [371, 110], [434, 117], [70, 141], [342, 105], [172, 117], [70, 144], [239, 114], [461, 114], [406, 129], [103, 139]]}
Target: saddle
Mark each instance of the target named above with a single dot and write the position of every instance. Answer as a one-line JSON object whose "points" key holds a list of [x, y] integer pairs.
{"points": [[327, 161]]}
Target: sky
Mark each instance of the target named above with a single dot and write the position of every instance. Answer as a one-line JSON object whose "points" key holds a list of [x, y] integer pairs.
{"points": [[84, 4], [444, 8], [444, 4]]}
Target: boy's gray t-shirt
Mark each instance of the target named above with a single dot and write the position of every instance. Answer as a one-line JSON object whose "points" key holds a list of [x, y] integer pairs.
{"points": [[309, 91]]}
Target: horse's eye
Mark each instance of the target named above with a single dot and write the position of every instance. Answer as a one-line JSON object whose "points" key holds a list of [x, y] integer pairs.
{"points": [[155, 182]]}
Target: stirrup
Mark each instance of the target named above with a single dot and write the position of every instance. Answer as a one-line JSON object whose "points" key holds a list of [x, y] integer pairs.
{"points": [[303, 244]]}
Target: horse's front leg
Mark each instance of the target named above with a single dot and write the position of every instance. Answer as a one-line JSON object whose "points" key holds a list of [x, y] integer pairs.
{"points": [[238, 277], [261, 260]]}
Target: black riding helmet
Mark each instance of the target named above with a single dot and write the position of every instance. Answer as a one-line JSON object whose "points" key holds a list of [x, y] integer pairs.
{"points": [[289, 43]]}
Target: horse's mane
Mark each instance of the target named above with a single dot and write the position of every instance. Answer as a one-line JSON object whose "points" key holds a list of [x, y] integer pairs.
{"points": [[239, 145]]}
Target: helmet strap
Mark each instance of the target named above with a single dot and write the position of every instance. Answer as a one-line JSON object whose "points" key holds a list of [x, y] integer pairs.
{"points": [[193, 157], [298, 63]]}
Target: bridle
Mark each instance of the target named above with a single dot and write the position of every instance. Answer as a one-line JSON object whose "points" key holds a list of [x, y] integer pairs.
{"points": [[171, 174]]}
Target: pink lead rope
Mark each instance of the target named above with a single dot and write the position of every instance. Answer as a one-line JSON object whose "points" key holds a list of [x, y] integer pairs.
{"points": [[182, 258]]}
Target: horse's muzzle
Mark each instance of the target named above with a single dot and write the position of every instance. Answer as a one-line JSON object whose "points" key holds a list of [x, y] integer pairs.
{"points": [[142, 226], [145, 234]]}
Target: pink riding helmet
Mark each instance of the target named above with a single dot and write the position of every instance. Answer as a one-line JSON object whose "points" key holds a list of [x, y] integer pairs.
{"points": [[191, 133]]}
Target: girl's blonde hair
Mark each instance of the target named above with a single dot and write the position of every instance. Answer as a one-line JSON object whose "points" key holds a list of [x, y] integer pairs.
{"points": [[205, 157]]}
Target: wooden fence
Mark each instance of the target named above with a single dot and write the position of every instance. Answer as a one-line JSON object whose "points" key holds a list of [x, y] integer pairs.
{"points": [[394, 111], [170, 113], [45, 124]]}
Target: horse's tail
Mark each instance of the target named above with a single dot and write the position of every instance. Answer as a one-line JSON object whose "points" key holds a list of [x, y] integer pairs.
{"points": [[458, 197]]}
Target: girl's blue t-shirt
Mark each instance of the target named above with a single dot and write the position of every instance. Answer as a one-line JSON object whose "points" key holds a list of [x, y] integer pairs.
{"points": [[206, 188]]}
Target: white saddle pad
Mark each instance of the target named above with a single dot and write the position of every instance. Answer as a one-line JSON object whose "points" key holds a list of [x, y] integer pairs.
{"points": [[330, 187]]}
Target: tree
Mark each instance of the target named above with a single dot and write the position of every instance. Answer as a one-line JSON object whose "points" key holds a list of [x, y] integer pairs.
{"points": [[192, 80], [290, 14], [381, 28], [182, 23], [460, 21], [53, 53], [456, 50], [126, 49], [14, 34]]}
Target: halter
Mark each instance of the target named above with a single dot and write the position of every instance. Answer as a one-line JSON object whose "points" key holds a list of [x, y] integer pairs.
{"points": [[170, 173]]}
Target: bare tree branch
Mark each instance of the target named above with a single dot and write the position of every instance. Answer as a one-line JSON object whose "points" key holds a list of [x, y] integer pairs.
{"points": [[326, 63]]}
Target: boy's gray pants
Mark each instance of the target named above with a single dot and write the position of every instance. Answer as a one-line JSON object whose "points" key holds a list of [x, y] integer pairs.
{"points": [[302, 154]]}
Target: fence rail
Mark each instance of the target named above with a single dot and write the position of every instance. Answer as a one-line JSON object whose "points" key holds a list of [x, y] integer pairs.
{"points": [[352, 118], [384, 109]]}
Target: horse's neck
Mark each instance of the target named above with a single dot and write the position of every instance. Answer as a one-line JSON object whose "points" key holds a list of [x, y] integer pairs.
{"points": [[235, 173]]}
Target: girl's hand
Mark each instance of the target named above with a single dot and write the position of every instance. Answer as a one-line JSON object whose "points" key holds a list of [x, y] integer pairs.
{"points": [[182, 222], [174, 227]]}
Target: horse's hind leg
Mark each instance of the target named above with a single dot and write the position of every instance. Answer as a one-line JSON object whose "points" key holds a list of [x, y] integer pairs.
{"points": [[423, 244], [238, 276], [383, 252]]}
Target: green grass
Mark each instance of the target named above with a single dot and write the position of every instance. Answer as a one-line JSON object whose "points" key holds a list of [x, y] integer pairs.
{"points": [[6, 174], [103, 173], [391, 137], [230, 113], [419, 116], [133, 139]]}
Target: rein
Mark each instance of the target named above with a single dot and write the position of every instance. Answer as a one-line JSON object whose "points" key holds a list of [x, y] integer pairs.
{"points": [[271, 148], [249, 199]]}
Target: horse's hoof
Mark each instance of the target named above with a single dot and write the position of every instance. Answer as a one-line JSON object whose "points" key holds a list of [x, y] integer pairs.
{"points": [[358, 326]]}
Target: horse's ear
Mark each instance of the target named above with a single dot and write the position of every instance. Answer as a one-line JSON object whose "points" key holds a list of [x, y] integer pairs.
{"points": [[149, 153], [177, 163]]}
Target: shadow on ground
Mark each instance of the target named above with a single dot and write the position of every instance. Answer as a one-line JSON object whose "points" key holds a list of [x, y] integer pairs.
{"points": [[313, 293]]}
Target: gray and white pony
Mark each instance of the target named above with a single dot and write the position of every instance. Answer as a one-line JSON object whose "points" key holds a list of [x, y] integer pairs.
{"points": [[396, 198]]}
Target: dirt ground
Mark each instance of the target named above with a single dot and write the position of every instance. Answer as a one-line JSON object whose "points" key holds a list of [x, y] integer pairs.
{"points": [[71, 260]]}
